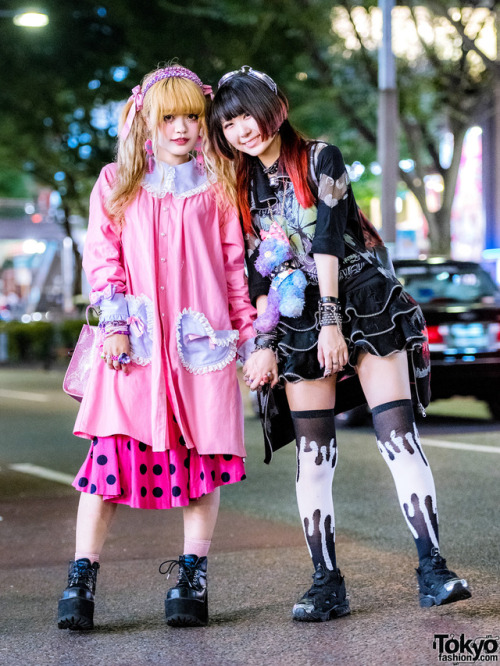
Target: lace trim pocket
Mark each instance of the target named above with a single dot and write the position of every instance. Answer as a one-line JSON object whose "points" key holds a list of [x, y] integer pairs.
{"points": [[201, 348]]}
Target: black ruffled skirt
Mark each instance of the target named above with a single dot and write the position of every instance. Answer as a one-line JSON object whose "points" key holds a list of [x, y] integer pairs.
{"points": [[379, 317]]}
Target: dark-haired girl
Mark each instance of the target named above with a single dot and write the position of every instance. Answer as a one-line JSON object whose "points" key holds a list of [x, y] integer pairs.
{"points": [[356, 319]]}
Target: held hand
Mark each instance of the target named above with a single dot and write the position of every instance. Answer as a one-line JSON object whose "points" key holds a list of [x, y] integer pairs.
{"points": [[260, 369], [113, 347], [332, 350]]}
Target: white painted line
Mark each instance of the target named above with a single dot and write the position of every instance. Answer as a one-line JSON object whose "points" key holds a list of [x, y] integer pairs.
{"points": [[24, 395], [43, 473], [443, 444]]}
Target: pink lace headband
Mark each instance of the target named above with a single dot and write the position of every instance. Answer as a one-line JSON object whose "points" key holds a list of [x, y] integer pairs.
{"points": [[138, 94]]}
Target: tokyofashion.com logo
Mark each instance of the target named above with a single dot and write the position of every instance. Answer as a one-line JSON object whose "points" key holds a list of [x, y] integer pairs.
{"points": [[459, 649]]}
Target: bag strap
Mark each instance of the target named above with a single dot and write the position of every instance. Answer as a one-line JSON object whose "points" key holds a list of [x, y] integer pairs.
{"points": [[369, 256], [89, 307]]}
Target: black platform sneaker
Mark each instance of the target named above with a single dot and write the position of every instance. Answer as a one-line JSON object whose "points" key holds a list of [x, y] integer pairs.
{"points": [[186, 604], [76, 606], [437, 584], [325, 600]]}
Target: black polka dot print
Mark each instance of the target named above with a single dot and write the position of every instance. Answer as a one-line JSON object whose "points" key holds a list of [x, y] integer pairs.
{"points": [[127, 471]]}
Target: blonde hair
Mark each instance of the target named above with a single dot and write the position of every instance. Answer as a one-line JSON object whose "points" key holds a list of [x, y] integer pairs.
{"points": [[174, 95]]}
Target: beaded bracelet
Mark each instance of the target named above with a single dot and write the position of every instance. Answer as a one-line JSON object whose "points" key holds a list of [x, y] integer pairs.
{"points": [[114, 328]]}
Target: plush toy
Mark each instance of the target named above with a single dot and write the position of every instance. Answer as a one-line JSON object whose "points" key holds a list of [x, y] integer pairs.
{"points": [[286, 295]]}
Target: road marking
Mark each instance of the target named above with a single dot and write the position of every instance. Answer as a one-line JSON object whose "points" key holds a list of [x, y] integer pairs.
{"points": [[24, 395], [443, 444], [43, 473]]}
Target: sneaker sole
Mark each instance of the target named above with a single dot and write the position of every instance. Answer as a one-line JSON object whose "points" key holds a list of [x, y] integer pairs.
{"points": [[301, 615], [457, 593]]}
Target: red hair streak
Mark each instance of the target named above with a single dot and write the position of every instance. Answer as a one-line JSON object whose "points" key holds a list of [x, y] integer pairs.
{"points": [[295, 159]]}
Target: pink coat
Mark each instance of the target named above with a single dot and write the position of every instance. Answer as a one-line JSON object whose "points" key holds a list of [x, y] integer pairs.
{"points": [[179, 263]]}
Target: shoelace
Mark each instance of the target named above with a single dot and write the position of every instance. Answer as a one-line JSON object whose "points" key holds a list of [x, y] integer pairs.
{"points": [[183, 572], [82, 574]]}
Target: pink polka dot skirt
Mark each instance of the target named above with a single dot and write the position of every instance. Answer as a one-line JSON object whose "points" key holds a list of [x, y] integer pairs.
{"points": [[126, 471]]}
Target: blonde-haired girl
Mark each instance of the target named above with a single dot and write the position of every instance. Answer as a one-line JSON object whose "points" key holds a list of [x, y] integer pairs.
{"points": [[162, 407]]}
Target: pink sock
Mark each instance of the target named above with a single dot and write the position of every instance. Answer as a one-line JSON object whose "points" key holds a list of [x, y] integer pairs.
{"points": [[92, 557], [199, 547]]}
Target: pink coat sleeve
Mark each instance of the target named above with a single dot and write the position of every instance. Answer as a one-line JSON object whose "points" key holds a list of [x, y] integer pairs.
{"points": [[241, 311], [102, 255]]}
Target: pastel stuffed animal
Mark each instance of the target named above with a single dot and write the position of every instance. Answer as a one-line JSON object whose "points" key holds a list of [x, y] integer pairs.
{"points": [[286, 295]]}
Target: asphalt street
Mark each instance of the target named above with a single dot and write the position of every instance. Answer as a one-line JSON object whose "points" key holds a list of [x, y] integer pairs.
{"points": [[258, 565]]}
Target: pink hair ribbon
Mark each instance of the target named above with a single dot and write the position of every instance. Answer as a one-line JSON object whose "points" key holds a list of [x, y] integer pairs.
{"points": [[138, 99]]}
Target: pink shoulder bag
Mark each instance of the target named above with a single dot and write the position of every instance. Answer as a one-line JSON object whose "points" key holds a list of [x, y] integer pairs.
{"points": [[80, 365]]}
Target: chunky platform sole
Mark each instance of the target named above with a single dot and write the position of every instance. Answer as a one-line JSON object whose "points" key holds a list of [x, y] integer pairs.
{"points": [[186, 612], [302, 615], [77, 614], [453, 590]]}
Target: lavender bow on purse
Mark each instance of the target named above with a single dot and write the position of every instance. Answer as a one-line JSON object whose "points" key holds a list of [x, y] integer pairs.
{"points": [[80, 365]]}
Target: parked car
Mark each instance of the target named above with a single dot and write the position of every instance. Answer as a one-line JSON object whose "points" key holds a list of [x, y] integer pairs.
{"points": [[461, 305]]}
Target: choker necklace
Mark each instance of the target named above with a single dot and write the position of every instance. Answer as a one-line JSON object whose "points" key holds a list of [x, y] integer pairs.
{"points": [[271, 172]]}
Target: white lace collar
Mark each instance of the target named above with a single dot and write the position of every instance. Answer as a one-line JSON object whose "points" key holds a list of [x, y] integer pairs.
{"points": [[182, 180]]}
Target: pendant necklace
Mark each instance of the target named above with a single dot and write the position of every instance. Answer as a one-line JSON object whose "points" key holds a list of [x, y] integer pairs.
{"points": [[272, 172]]}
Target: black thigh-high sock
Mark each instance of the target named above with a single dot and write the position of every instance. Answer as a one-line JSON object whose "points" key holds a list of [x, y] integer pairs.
{"points": [[316, 461], [399, 444]]}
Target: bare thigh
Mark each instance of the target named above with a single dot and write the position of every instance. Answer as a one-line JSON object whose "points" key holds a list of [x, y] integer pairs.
{"points": [[384, 379], [308, 395]]}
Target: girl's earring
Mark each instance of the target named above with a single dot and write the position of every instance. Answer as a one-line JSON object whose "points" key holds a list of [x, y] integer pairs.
{"points": [[148, 147], [200, 158]]}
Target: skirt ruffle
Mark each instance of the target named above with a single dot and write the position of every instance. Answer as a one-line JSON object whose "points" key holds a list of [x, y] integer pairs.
{"points": [[126, 471], [382, 319], [379, 318]]}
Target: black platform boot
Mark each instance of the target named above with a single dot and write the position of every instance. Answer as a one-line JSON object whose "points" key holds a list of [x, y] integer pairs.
{"points": [[186, 604], [76, 606]]}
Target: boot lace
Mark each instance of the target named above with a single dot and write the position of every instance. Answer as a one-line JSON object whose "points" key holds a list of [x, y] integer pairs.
{"points": [[82, 574], [187, 575]]}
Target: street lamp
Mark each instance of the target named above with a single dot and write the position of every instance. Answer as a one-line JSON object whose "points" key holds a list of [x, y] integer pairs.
{"points": [[387, 125], [26, 18]]}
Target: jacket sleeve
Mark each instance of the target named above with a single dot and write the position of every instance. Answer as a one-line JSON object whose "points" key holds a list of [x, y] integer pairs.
{"points": [[102, 254], [241, 311], [258, 284], [333, 202]]}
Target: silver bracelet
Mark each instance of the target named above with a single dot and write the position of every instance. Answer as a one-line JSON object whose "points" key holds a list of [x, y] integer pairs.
{"points": [[330, 314]]}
